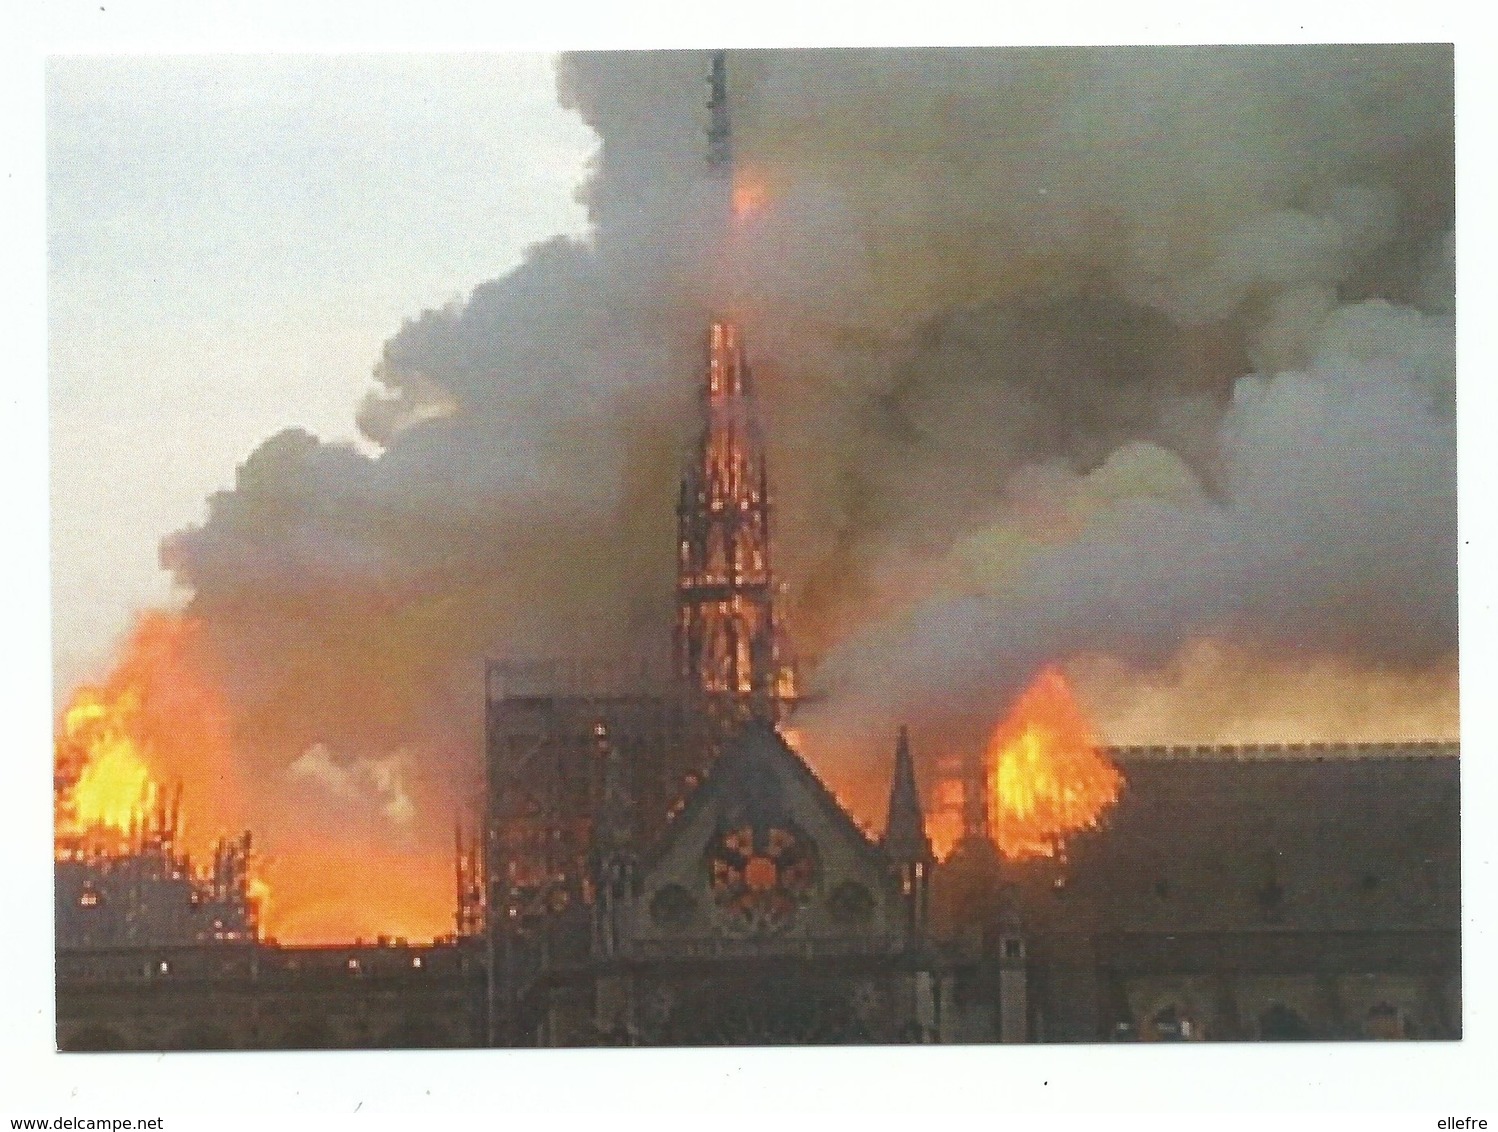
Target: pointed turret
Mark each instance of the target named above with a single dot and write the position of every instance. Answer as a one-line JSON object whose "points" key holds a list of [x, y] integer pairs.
{"points": [[906, 843], [905, 837]]}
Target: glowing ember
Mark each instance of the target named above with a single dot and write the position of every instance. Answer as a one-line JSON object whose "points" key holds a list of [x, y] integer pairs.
{"points": [[345, 888], [259, 894], [944, 823], [1049, 780], [751, 193]]}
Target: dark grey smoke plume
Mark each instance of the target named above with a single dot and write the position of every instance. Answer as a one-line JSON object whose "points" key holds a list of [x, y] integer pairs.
{"points": [[1333, 534], [1087, 355]]}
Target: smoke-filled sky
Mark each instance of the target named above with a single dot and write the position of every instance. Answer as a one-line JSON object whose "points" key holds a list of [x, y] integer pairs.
{"points": [[230, 239], [1135, 360]]}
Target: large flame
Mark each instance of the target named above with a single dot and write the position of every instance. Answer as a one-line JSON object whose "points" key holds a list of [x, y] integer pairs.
{"points": [[344, 888], [155, 719], [158, 729], [111, 788], [944, 822], [1048, 779]]}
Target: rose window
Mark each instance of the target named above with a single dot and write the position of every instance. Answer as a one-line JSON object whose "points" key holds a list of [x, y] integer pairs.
{"points": [[761, 876]]}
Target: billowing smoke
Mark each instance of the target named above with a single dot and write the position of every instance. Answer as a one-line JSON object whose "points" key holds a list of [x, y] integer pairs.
{"points": [[1332, 534], [1136, 359]]}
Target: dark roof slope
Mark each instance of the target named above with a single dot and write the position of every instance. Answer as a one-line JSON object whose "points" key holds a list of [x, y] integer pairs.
{"points": [[1333, 838]]}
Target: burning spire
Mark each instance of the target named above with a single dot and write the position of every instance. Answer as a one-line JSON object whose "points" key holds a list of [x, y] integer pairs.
{"points": [[728, 641], [745, 190]]}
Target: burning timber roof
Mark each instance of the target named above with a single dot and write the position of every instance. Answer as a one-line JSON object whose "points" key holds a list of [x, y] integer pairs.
{"points": [[1333, 837]]}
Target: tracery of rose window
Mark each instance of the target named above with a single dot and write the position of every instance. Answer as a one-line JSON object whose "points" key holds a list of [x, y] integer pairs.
{"points": [[761, 876]]}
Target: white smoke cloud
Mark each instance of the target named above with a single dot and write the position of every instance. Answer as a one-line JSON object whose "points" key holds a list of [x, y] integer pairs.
{"points": [[360, 785]]}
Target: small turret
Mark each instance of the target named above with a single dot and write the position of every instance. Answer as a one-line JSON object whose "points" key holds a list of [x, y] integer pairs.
{"points": [[906, 842], [905, 837]]}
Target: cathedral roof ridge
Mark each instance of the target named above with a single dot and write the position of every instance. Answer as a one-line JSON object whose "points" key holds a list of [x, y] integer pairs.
{"points": [[1289, 751]]}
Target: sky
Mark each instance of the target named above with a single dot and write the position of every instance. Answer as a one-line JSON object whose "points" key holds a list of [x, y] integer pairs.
{"points": [[230, 242]]}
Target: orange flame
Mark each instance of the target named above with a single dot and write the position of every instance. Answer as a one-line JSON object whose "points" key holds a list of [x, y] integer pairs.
{"points": [[113, 789], [258, 892], [345, 888], [155, 718], [944, 823], [1048, 778], [160, 718]]}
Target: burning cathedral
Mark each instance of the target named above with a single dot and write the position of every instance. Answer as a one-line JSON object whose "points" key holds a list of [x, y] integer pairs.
{"points": [[657, 865]]}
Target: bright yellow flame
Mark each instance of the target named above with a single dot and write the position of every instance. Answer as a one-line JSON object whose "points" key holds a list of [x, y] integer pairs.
{"points": [[259, 896], [156, 718], [1049, 780], [114, 789]]}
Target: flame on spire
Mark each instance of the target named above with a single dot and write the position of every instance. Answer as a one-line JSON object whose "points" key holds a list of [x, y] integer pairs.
{"points": [[729, 642], [751, 193]]}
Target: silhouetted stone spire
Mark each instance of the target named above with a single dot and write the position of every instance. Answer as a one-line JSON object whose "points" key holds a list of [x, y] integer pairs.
{"points": [[905, 837]]}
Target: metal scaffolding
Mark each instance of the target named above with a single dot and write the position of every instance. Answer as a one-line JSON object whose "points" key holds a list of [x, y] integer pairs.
{"points": [[550, 730]]}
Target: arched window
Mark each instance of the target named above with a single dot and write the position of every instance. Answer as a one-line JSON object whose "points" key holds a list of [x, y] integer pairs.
{"points": [[851, 903]]}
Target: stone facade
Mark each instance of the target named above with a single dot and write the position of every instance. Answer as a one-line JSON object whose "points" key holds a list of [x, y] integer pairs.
{"points": [[254, 996], [1233, 894], [1249, 892]]}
